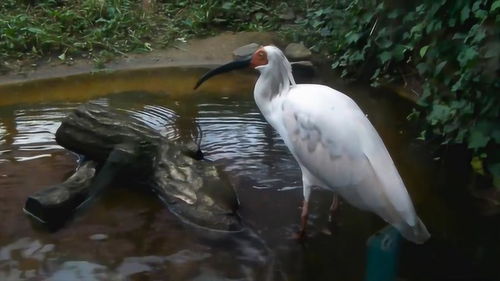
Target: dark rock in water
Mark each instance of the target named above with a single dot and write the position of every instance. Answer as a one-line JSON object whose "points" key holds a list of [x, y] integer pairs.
{"points": [[121, 146], [297, 52]]}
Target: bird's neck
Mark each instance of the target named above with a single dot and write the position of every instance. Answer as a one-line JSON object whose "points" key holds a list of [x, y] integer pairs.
{"points": [[273, 82], [265, 94]]}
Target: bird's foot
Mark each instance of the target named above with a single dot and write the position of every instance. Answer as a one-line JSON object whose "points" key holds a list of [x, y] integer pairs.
{"points": [[327, 231], [300, 236], [330, 218], [331, 228]]}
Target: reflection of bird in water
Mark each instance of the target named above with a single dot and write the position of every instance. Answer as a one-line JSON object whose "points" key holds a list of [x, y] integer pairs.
{"points": [[335, 145]]}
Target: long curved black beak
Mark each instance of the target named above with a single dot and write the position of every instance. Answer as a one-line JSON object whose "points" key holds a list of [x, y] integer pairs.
{"points": [[238, 64]]}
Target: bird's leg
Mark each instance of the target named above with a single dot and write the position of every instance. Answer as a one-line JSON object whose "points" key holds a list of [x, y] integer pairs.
{"points": [[334, 207], [303, 220], [301, 235]]}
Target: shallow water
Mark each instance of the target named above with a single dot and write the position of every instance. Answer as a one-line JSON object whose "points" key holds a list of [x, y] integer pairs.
{"points": [[129, 234]]}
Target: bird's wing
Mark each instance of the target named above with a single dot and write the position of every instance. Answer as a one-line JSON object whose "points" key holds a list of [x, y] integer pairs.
{"points": [[333, 140]]}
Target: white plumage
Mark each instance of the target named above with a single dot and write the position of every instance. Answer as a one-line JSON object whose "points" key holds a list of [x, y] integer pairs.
{"points": [[335, 145]]}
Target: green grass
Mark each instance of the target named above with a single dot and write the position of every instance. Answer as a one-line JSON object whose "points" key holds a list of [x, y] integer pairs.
{"points": [[103, 29]]}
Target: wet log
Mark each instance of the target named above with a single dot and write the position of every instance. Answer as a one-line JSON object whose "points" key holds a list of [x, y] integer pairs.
{"points": [[120, 146]]}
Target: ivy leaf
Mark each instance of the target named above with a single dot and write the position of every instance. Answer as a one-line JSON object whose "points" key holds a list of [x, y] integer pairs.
{"points": [[409, 17], [465, 13], [422, 68], [385, 57], [356, 56], [476, 5], [467, 55], [477, 165], [457, 85], [375, 74], [481, 14], [439, 67], [439, 114], [399, 52], [496, 135], [495, 5], [418, 28], [423, 50], [420, 9], [477, 139], [433, 26], [479, 35], [383, 43], [352, 37], [458, 36]]}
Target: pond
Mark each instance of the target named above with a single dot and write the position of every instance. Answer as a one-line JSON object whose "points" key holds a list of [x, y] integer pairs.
{"points": [[129, 234]]}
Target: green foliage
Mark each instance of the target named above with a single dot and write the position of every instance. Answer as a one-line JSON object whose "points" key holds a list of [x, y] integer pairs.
{"points": [[105, 28], [450, 47]]}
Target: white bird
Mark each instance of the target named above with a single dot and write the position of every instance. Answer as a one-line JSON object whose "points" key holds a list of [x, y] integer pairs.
{"points": [[332, 140]]}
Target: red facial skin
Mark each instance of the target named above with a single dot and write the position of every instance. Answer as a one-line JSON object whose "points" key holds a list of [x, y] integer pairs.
{"points": [[259, 58]]}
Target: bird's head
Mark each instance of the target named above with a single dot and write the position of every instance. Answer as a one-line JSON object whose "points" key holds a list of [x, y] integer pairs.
{"points": [[259, 60]]}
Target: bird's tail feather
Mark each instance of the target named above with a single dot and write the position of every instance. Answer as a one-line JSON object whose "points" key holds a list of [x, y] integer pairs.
{"points": [[417, 233]]}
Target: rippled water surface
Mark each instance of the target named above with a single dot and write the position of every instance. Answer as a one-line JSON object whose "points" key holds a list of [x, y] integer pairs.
{"points": [[128, 234]]}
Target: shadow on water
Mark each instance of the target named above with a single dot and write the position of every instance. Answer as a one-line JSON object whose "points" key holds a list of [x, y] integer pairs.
{"points": [[130, 235]]}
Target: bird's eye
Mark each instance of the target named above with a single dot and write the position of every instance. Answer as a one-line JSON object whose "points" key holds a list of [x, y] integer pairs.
{"points": [[261, 54]]}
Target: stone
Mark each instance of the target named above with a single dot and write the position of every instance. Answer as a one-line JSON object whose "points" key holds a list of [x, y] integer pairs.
{"points": [[98, 237], [287, 15], [297, 52], [245, 51], [303, 63]]}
